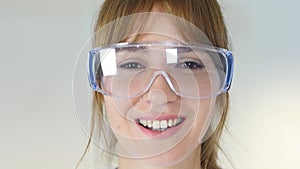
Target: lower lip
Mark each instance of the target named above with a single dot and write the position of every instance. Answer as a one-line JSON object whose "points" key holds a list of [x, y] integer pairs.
{"points": [[160, 134]]}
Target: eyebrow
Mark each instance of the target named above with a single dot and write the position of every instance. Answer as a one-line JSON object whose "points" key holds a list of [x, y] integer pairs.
{"points": [[180, 48], [184, 49], [130, 48]]}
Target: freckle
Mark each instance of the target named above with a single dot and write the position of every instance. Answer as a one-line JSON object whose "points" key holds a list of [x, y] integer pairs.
{"points": [[119, 127]]}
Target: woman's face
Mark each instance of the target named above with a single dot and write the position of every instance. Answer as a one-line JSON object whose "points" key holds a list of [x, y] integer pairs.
{"points": [[159, 125]]}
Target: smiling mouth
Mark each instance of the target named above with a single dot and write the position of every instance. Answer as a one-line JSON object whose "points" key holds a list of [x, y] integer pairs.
{"points": [[160, 125]]}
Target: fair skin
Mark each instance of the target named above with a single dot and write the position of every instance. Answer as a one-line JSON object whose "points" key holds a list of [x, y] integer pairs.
{"points": [[179, 150], [192, 161], [147, 149]]}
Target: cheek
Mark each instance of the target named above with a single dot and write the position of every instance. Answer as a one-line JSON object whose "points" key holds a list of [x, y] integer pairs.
{"points": [[117, 116], [115, 119], [203, 116], [205, 110]]}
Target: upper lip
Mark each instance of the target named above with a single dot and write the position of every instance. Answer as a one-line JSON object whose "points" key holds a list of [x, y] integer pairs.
{"points": [[159, 117]]}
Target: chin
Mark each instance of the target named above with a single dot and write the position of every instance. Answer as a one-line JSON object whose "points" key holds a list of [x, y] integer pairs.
{"points": [[175, 156]]}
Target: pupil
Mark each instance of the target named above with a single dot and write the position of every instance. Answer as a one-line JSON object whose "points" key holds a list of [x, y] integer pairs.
{"points": [[191, 65]]}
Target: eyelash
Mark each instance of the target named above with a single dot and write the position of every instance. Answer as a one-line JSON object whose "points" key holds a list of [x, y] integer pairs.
{"points": [[190, 65], [132, 65]]}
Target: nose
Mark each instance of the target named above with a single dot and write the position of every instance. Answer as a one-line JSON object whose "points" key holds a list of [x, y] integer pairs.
{"points": [[160, 91]]}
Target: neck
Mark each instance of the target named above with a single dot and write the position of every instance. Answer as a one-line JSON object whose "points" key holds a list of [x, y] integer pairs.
{"points": [[192, 161]]}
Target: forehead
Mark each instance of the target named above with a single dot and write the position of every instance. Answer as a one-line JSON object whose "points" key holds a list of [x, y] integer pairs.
{"points": [[164, 27], [152, 38], [155, 27], [151, 26]]}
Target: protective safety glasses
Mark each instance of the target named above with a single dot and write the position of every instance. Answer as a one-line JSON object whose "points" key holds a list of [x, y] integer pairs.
{"points": [[193, 71]]}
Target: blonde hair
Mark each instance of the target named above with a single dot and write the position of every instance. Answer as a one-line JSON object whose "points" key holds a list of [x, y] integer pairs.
{"points": [[204, 14]]}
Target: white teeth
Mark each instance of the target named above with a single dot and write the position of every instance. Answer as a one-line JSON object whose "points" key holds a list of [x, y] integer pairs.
{"points": [[163, 124], [174, 122], [160, 125], [156, 125], [149, 124], [143, 122], [170, 123]]}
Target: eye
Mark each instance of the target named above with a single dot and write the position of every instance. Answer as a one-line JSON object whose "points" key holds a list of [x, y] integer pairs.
{"points": [[132, 65], [190, 65]]}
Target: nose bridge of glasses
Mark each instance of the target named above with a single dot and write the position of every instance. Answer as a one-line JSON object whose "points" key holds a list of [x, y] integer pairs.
{"points": [[161, 80]]}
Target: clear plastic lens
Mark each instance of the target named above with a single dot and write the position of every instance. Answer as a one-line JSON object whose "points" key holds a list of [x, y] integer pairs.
{"points": [[127, 70]]}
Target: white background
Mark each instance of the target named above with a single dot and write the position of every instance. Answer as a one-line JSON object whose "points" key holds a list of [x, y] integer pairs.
{"points": [[40, 40]]}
